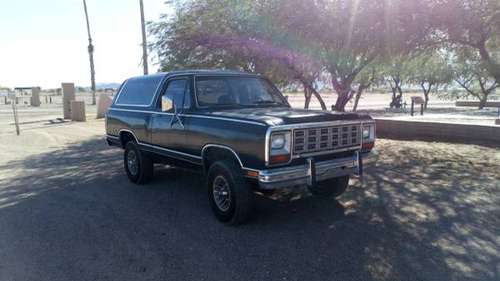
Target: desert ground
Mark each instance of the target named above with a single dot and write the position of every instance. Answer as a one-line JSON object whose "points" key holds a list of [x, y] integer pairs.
{"points": [[425, 211]]}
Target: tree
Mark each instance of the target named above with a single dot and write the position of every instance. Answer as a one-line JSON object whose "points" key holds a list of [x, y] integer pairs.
{"points": [[430, 70], [365, 80], [229, 35], [396, 73], [178, 41], [471, 73], [474, 25], [346, 36], [342, 49], [295, 40]]}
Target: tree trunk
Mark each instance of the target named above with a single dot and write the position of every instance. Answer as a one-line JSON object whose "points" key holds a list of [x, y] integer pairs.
{"points": [[492, 67], [310, 91], [356, 99], [344, 94], [393, 97], [482, 101], [426, 93], [343, 98], [308, 96], [318, 96], [397, 96], [359, 92], [400, 91]]}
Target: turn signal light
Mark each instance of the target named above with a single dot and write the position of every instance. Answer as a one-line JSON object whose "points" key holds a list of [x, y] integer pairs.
{"points": [[279, 159], [253, 174], [368, 146]]}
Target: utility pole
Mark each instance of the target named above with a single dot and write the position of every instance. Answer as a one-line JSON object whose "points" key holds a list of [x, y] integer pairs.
{"points": [[144, 43], [91, 55]]}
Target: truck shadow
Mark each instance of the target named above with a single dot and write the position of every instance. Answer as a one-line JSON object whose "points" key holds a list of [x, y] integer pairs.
{"points": [[426, 218]]}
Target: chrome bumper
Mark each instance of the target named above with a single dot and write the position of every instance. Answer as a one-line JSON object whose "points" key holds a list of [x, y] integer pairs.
{"points": [[311, 172]]}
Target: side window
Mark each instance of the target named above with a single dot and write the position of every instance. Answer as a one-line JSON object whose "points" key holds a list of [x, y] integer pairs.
{"points": [[187, 97], [175, 92], [138, 91], [212, 91]]}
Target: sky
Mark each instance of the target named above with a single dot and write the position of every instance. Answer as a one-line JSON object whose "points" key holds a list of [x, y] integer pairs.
{"points": [[44, 43]]}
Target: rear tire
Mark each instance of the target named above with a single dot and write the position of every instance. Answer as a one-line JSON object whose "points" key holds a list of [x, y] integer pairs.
{"points": [[138, 166], [330, 188], [229, 194]]}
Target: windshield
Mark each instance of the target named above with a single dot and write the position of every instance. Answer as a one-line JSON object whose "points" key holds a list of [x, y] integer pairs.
{"points": [[237, 91]]}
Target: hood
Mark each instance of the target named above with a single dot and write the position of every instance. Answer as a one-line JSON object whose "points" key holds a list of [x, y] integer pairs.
{"points": [[275, 116]]}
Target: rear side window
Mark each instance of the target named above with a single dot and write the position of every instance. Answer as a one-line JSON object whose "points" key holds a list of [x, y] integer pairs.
{"points": [[138, 91]]}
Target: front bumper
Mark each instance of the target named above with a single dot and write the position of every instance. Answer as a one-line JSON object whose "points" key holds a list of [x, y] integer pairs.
{"points": [[311, 172]]}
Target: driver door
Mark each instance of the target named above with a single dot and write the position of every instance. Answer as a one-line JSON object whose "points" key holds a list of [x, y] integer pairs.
{"points": [[168, 131]]}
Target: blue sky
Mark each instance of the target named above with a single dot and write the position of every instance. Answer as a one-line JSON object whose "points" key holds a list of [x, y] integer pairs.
{"points": [[44, 43]]}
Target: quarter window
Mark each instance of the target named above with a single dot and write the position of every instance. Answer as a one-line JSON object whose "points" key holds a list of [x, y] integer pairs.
{"points": [[139, 91]]}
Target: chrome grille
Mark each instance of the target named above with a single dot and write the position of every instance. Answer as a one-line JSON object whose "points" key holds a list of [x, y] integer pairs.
{"points": [[331, 138]]}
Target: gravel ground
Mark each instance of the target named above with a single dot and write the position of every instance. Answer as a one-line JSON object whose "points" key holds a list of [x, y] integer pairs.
{"points": [[426, 211]]}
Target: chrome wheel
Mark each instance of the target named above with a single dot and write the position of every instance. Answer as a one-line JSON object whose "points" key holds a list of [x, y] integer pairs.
{"points": [[221, 193], [132, 162]]}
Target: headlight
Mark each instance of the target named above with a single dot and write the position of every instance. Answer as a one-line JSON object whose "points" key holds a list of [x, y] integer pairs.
{"points": [[277, 141], [368, 133], [280, 144]]}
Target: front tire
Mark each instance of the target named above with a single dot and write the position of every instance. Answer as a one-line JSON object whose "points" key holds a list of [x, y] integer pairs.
{"points": [[330, 188], [138, 166], [230, 196]]}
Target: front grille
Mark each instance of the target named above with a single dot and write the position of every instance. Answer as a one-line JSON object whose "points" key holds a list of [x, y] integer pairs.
{"points": [[330, 138]]}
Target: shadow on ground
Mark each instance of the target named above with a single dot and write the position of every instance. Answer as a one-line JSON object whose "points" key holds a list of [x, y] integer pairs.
{"points": [[423, 213]]}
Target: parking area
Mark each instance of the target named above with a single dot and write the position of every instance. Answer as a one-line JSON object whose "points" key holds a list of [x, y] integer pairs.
{"points": [[426, 211]]}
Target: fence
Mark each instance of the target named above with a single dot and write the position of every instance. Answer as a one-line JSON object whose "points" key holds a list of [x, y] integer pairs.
{"points": [[51, 99]]}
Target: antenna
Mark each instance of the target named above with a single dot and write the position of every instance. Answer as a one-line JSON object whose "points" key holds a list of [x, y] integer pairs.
{"points": [[91, 55]]}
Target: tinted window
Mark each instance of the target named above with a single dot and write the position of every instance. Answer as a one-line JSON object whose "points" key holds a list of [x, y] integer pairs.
{"points": [[187, 97], [175, 91], [237, 91], [139, 91], [213, 91]]}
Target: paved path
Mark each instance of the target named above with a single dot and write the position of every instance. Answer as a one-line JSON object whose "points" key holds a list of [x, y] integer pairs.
{"points": [[427, 211]]}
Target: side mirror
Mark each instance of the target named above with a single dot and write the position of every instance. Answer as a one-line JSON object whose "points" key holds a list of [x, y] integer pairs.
{"points": [[167, 104]]}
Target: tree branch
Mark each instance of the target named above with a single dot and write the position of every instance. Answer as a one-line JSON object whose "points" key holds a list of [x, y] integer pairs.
{"points": [[464, 85]]}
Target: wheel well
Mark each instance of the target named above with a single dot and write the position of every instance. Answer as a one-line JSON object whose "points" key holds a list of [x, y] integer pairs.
{"points": [[213, 154], [125, 137]]}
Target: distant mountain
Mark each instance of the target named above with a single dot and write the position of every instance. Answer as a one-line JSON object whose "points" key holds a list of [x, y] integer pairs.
{"points": [[99, 86], [107, 85]]}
